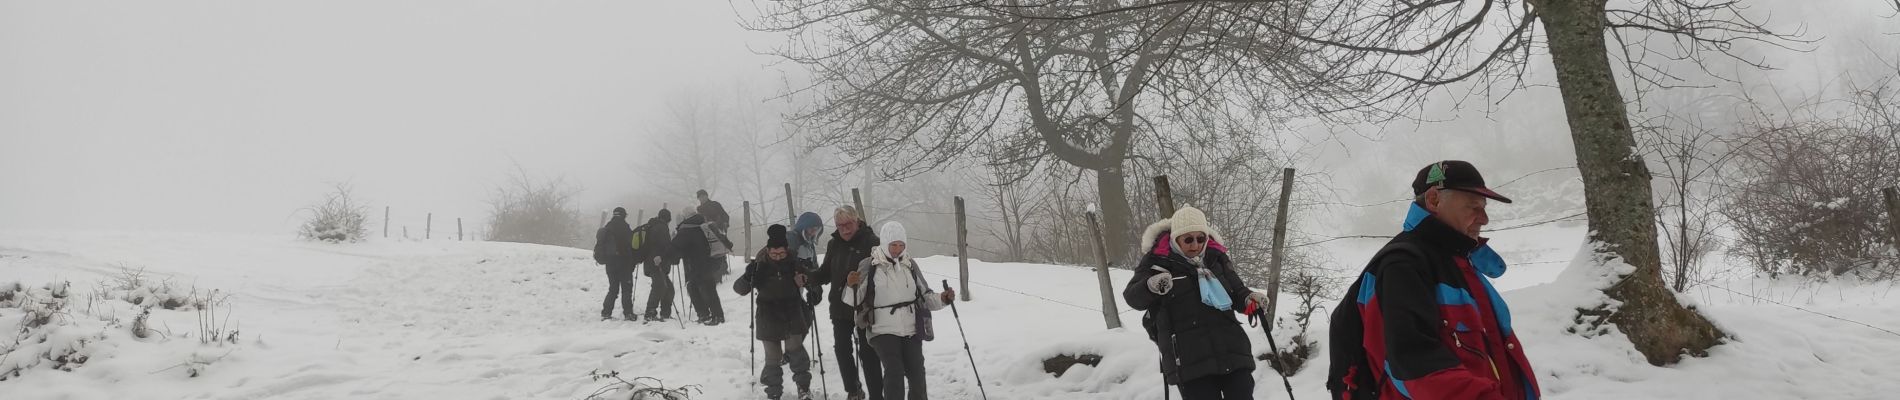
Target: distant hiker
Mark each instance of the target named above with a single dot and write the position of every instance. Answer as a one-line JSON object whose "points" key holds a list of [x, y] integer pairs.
{"points": [[714, 212], [613, 247], [781, 318], [893, 302], [1188, 286], [1423, 321], [656, 252], [851, 243], [704, 255]]}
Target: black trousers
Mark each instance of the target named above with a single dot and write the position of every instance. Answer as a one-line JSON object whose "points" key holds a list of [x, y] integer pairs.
{"points": [[619, 284], [704, 293], [844, 334], [660, 298], [1233, 385], [903, 366]]}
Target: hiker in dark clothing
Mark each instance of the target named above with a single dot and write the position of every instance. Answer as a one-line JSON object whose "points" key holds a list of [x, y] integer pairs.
{"points": [[1188, 285], [781, 317], [851, 243], [705, 266], [714, 212], [656, 252], [613, 248]]}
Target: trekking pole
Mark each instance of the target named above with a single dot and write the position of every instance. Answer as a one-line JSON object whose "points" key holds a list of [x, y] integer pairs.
{"points": [[753, 325], [823, 384], [636, 286], [966, 345], [678, 312], [1256, 314], [685, 299]]}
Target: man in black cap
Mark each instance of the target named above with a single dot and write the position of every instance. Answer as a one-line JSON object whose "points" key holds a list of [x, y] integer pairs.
{"points": [[613, 248], [1423, 319]]}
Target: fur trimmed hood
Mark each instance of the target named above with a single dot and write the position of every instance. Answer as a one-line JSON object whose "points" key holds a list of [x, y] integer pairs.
{"points": [[1159, 238]]}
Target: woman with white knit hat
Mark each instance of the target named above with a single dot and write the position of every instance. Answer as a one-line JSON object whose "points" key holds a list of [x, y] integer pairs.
{"points": [[1188, 286], [893, 304]]}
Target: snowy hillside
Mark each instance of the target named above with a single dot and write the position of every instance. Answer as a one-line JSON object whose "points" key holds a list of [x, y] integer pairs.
{"points": [[427, 320]]}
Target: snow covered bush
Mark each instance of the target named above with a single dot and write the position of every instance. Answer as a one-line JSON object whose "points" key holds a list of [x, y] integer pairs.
{"points": [[1809, 201], [45, 332], [339, 218], [134, 286], [529, 211], [640, 388]]}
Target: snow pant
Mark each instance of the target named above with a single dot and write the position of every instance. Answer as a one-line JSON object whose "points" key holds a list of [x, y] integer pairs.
{"points": [[903, 358], [704, 293], [788, 351], [844, 334], [619, 284], [1233, 385], [660, 298]]}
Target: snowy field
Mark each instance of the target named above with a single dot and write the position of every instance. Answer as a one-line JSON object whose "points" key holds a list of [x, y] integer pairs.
{"points": [[477, 320]]}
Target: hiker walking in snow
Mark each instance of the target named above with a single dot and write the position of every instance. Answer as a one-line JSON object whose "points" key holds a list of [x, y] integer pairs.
{"points": [[892, 302], [1423, 321], [704, 253], [714, 212], [1188, 286], [656, 253], [851, 243], [781, 317], [613, 248]]}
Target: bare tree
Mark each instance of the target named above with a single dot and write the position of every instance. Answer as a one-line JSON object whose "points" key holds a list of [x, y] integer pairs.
{"points": [[1409, 49], [921, 84], [689, 145], [1014, 201]]}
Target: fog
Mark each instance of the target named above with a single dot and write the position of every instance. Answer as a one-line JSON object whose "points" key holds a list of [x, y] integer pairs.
{"points": [[229, 116]]}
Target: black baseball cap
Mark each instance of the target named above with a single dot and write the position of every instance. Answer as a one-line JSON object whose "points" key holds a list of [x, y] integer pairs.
{"points": [[1455, 175]]}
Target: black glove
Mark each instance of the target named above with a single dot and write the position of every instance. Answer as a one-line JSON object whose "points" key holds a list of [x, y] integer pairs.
{"points": [[811, 298]]}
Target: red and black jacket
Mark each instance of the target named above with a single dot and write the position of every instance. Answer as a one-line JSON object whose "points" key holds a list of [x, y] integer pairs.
{"points": [[1427, 326]]}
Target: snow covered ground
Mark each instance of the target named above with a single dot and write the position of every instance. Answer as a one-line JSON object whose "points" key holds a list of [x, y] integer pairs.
{"points": [[440, 319]]}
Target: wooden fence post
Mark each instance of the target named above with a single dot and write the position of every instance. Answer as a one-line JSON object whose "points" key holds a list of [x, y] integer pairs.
{"points": [[864, 216], [1110, 314], [1164, 196], [746, 254], [963, 251], [428, 226]]}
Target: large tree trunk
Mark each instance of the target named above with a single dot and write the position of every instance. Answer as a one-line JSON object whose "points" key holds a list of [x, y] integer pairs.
{"points": [[1111, 186], [1617, 187]]}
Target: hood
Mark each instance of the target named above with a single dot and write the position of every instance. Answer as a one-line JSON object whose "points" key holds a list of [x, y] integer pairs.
{"points": [[1160, 241]]}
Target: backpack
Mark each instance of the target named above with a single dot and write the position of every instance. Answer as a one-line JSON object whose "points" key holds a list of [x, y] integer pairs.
{"points": [[639, 238], [865, 315], [603, 246], [1350, 375]]}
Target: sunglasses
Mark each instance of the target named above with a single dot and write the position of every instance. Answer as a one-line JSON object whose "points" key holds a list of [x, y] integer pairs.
{"points": [[1196, 239]]}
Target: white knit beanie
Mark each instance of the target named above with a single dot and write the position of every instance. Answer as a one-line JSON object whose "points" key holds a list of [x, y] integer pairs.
{"points": [[1188, 220]]}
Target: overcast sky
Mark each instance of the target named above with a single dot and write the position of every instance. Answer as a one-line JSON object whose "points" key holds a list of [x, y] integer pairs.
{"points": [[230, 115]]}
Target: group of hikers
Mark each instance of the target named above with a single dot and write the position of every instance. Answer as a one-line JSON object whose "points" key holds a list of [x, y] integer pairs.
{"points": [[1421, 321], [877, 293]]}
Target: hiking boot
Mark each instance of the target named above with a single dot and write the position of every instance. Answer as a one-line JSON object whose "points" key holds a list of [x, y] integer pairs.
{"points": [[804, 395], [854, 396], [631, 317]]}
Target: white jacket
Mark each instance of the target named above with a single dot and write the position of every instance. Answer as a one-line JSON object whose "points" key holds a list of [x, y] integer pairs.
{"points": [[896, 284]]}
